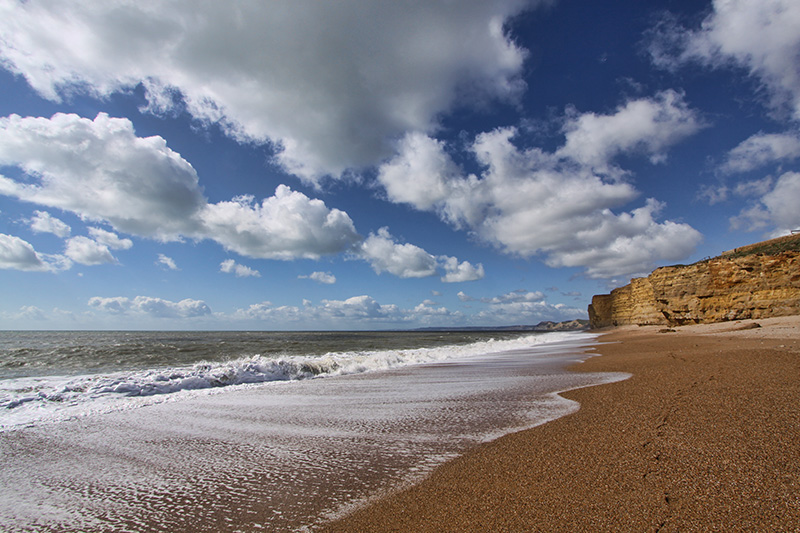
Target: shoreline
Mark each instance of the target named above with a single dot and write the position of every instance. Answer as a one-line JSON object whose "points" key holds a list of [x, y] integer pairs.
{"points": [[704, 436], [281, 456]]}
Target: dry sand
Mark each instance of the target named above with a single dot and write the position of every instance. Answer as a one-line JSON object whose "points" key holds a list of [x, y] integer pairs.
{"points": [[704, 437]]}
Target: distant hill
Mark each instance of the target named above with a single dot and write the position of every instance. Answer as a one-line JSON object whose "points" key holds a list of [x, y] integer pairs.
{"points": [[568, 325]]}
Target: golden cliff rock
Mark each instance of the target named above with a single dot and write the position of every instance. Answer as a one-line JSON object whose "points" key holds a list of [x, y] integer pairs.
{"points": [[757, 281]]}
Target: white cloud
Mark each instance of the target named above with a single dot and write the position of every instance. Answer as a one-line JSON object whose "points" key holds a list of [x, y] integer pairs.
{"points": [[100, 170], [427, 313], [17, 254], [783, 201], [26, 312], [154, 307], [110, 239], [777, 208], [116, 305], [229, 266], [320, 277], [456, 272], [167, 262], [515, 297], [43, 222], [351, 75], [528, 312], [85, 251], [287, 225], [402, 260], [355, 312], [648, 125], [527, 201], [422, 175], [361, 307], [464, 297], [762, 149], [520, 307], [762, 36]]}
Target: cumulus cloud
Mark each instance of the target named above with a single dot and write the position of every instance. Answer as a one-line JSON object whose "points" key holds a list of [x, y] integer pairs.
{"points": [[287, 225], [167, 262], [357, 310], [30, 312], [403, 260], [229, 266], [352, 75], [760, 36], [110, 239], [515, 297], [320, 277], [762, 149], [528, 201], [154, 307], [527, 312], [464, 297], [100, 170], [456, 272], [44, 222], [18, 254], [97, 250], [755, 152], [776, 208], [520, 307], [85, 251], [406, 260], [648, 125]]}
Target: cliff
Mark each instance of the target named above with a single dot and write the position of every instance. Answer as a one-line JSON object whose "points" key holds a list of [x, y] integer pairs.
{"points": [[757, 281]]}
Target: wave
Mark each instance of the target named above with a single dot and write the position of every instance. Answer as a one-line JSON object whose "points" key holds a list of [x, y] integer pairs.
{"points": [[41, 397]]}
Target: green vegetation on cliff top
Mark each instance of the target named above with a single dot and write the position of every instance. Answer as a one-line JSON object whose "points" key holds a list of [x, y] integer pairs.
{"points": [[788, 243]]}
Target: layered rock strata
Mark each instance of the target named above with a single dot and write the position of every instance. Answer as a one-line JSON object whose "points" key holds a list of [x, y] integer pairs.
{"points": [[729, 287]]}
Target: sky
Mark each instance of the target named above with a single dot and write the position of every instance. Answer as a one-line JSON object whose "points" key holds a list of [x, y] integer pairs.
{"points": [[375, 164]]}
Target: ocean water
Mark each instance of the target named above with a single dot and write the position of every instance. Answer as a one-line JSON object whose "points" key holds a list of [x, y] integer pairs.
{"points": [[53, 375], [230, 431]]}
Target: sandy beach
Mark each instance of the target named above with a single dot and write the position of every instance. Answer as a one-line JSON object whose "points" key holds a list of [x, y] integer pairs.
{"points": [[705, 436]]}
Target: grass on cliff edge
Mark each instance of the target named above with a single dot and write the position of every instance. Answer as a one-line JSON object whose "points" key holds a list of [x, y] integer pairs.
{"points": [[788, 243]]}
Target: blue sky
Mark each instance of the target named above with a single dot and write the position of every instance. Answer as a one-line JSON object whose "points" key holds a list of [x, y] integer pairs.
{"points": [[381, 164]]}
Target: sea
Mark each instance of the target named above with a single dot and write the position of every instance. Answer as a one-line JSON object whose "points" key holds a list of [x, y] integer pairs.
{"points": [[255, 431]]}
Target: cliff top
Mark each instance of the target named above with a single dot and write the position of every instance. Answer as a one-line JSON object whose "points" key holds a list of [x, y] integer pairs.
{"points": [[788, 243]]}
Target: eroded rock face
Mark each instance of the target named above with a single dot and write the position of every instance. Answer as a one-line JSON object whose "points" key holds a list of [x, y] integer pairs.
{"points": [[716, 290]]}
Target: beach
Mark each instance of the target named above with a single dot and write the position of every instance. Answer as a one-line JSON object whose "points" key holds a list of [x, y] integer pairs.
{"points": [[694, 428], [705, 436]]}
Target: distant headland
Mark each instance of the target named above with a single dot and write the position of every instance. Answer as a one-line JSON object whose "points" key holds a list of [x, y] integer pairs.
{"points": [[547, 325]]}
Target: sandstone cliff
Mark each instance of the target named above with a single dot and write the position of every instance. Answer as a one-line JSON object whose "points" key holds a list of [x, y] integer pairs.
{"points": [[757, 281]]}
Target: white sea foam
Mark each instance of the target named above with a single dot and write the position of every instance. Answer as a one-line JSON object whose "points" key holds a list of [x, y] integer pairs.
{"points": [[32, 400]]}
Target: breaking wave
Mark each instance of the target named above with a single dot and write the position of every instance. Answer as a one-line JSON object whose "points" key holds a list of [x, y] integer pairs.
{"points": [[30, 399]]}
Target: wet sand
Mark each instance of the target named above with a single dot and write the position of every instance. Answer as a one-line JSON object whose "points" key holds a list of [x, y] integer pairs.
{"points": [[704, 437]]}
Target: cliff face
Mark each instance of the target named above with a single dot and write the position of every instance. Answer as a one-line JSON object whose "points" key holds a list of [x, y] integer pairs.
{"points": [[728, 287]]}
